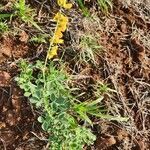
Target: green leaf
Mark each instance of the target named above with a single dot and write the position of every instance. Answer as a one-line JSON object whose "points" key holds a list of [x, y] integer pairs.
{"points": [[45, 126], [3, 16], [35, 25], [54, 106], [27, 94], [53, 98], [85, 117], [83, 8], [40, 119], [37, 94], [94, 103], [110, 117], [39, 104], [34, 100]]}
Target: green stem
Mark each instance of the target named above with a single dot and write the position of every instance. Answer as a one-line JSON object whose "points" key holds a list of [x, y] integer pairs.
{"points": [[46, 102]]}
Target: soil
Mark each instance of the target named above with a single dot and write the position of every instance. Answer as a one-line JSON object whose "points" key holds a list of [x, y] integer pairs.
{"points": [[18, 121], [125, 66], [127, 69]]}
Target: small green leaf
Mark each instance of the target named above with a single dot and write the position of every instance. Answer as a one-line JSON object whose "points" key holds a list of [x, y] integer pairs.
{"points": [[94, 103], [45, 126], [36, 26], [2, 16], [53, 98], [40, 119], [34, 100], [37, 94], [27, 94], [83, 8], [54, 106]]}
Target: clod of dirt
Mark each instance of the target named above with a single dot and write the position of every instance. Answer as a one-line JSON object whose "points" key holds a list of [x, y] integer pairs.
{"points": [[4, 79], [127, 68], [105, 141], [5, 49], [13, 48], [24, 37], [11, 118], [2, 125], [142, 145], [121, 134], [7, 136], [16, 103]]}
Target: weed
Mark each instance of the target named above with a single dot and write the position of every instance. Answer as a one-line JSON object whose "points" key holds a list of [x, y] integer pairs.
{"points": [[57, 104], [4, 16], [3, 24], [3, 27], [84, 109], [22, 11], [60, 108], [39, 38], [102, 88], [89, 48], [25, 13], [83, 8], [104, 5]]}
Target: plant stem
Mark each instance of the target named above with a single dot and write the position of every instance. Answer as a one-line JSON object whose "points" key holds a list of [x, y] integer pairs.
{"points": [[46, 103]]}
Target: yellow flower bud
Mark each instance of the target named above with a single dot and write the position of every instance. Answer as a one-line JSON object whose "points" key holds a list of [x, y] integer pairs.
{"points": [[63, 3], [53, 52]]}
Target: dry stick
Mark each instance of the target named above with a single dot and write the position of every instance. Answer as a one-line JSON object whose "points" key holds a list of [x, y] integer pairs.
{"points": [[40, 138], [4, 144]]}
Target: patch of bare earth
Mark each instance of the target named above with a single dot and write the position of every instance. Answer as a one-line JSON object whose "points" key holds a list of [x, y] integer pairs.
{"points": [[125, 37], [19, 129], [123, 62]]}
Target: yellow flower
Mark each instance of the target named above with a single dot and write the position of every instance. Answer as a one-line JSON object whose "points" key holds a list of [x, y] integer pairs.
{"points": [[52, 52], [62, 27], [63, 3], [62, 22], [60, 17], [57, 16], [58, 33], [58, 41]]}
